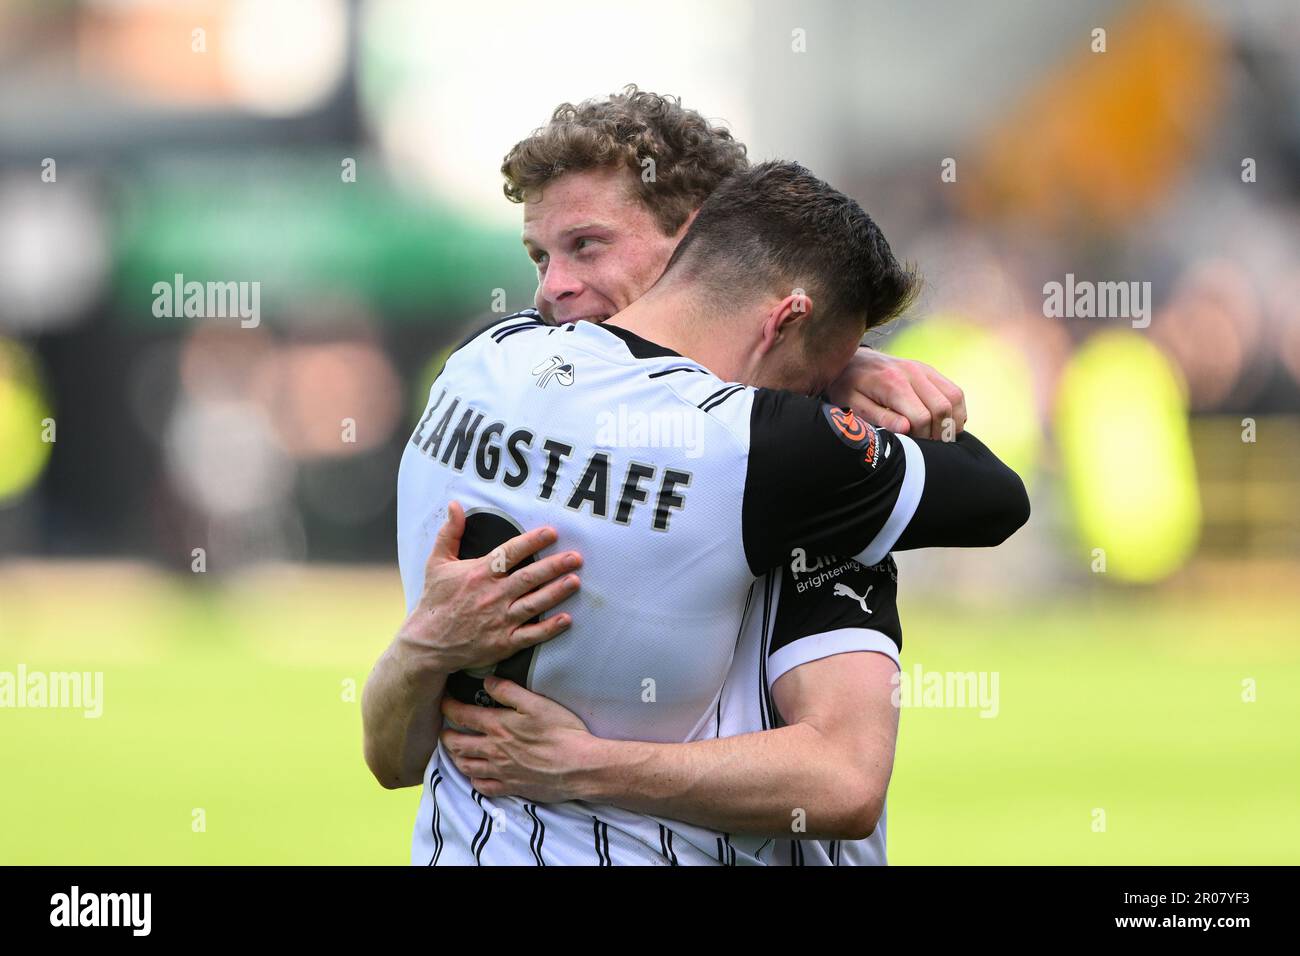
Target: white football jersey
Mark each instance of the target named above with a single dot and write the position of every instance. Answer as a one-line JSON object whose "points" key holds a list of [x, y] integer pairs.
{"points": [[679, 490]]}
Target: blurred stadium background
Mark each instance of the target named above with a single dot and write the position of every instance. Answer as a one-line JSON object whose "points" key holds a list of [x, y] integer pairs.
{"points": [[1143, 626]]}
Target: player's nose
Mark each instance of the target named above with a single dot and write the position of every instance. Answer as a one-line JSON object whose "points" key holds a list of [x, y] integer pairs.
{"points": [[557, 284]]}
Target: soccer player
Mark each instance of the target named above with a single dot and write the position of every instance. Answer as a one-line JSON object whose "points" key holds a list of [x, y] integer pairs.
{"points": [[510, 430], [591, 160], [600, 237]]}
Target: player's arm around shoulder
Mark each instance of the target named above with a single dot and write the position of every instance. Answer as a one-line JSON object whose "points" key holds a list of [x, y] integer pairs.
{"points": [[969, 498], [472, 613], [829, 767], [831, 662]]}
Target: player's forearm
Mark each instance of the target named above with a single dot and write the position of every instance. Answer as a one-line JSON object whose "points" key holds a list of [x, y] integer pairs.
{"points": [[766, 783], [401, 718]]}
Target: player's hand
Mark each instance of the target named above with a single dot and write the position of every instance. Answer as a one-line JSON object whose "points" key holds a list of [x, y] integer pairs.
{"points": [[474, 612], [907, 397], [535, 750]]}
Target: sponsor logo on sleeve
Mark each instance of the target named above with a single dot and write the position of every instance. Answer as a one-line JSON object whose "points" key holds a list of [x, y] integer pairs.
{"points": [[855, 433], [812, 571]]}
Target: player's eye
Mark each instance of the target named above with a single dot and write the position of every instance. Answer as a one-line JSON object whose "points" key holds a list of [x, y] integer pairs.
{"points": [[583, 243]]}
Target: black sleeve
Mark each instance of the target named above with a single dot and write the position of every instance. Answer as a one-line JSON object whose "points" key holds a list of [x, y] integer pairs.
{"points": [[822, 479], [971, 499], [818, 478], [818, 597]]}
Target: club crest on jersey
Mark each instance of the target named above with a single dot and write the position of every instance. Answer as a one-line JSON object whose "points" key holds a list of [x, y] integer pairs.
{"points": [[554, 369], [855, 433]]}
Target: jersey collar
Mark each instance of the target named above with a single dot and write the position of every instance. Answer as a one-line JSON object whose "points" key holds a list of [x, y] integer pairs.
{"points": [[639, 347]]}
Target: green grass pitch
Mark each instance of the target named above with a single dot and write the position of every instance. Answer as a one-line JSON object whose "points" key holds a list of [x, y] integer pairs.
{"points": [[236, 701]]}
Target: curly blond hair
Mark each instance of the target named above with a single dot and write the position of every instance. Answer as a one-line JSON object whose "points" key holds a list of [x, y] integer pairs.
{"points": [[691, 156]]}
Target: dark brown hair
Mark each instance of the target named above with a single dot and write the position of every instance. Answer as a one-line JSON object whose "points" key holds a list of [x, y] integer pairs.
{"points": [[691, 156], [776, 227]]}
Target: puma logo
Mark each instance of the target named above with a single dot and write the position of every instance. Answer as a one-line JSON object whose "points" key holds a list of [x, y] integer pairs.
{"points": [[843, 590]]}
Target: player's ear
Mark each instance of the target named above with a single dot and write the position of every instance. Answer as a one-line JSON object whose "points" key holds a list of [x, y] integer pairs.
{"points": [[786, 317]]}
